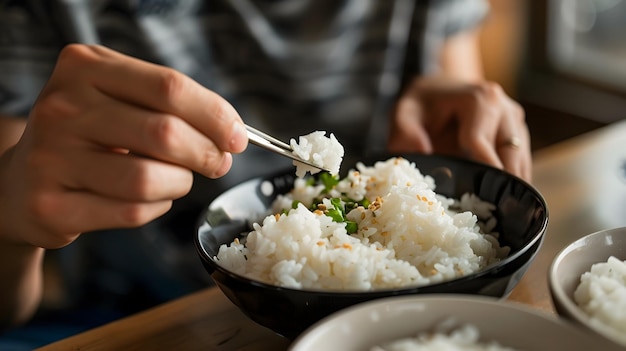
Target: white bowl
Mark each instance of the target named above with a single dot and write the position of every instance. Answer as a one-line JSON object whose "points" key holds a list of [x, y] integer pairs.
{"points": [[574, 260], [510, 324]]}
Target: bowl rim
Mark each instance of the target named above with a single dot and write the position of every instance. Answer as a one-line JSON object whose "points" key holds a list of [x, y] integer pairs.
{"points": [[537, 238], [317, 329], [557, 291]]}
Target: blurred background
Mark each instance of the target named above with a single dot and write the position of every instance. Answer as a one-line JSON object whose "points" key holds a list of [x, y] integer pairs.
{"points": [[563, 60]]}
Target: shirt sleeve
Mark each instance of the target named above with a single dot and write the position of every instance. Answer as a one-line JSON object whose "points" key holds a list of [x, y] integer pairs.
{"points": [[29, 46], [443, 19], [455, 16]]}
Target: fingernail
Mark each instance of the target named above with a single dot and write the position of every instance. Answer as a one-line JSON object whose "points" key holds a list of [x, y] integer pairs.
{"points": [[239, 139], [225, 166]]}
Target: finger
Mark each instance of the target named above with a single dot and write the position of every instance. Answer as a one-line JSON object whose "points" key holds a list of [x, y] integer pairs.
{"points": [[153, 134], [496, 119], [513, 141], [477, 133], [78, 211], [227, 163], [517, 159], [127, 177], [408, 133], [523, 169], [162, 89], [512, 158]]}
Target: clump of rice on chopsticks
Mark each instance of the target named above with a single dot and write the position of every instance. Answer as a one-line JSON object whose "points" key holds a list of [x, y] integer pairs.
{"points": [[325, 152]]}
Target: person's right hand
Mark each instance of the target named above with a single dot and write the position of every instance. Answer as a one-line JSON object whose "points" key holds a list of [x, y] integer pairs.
{"points": [[110, 143]]}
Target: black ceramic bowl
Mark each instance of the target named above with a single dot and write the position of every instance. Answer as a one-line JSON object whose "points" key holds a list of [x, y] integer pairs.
{"points": [[522, 219]]}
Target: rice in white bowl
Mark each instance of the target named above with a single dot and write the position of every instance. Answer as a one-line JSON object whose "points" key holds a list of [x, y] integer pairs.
{"points": [[382, 226], [464, 337], [601, 294], [318, 149]]}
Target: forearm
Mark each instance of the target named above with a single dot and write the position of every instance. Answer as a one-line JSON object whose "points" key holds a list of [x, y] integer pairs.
{"points": [[11, 129], [20, 264], [22, 285], [460, 57]]}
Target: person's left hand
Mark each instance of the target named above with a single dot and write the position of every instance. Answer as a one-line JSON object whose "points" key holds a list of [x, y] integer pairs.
{"points": [[474, 120]]}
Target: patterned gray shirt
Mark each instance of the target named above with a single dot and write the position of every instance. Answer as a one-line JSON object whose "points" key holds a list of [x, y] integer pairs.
{"points": [[288, 66]]}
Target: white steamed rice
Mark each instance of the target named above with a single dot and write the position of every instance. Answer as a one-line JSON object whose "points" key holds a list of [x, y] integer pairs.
{"points": [[465, 337], [602, 295], [325, 152], [407, 236]]}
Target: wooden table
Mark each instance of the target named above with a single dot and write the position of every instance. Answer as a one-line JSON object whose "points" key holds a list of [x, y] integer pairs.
{"points": [[583, 181]]}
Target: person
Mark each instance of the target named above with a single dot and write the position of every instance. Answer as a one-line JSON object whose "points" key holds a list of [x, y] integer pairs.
{"points": [[123, 119]]}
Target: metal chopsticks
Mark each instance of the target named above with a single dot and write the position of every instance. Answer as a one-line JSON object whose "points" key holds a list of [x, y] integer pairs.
{"points": [[270, 143]]}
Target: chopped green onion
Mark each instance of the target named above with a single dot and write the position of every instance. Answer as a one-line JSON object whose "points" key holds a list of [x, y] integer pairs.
{"points": [[351, 227], [336, 202], [328, 180]]}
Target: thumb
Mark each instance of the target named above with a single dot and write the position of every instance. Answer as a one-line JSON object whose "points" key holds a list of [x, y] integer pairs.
{"points": [[407, 132]]}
